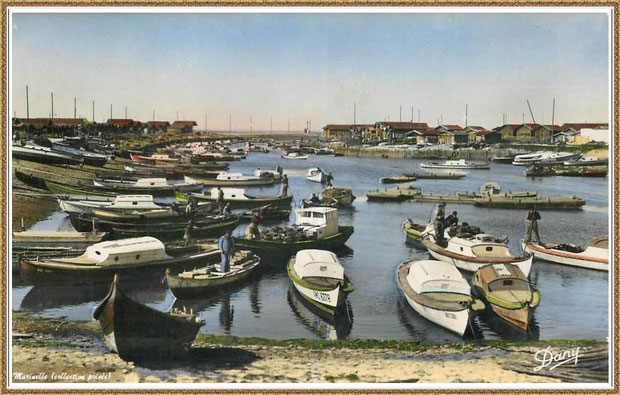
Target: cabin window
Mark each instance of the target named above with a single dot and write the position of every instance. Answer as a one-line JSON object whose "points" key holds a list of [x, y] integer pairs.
{"points": [[507, 282], [461, 248], [152, 183], [98, 252], [137, 256], [134, 203], [234, 195], [116, 259], [323, 268], [489, 248]]}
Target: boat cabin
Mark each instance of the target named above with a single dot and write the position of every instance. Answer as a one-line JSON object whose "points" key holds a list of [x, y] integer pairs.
{"points": [[319, 221], [229, 193], [437, 277], [480, 245], [122, 252], [151, 182], [503, 277], [134, 201], [318, 264], [223, 176]]}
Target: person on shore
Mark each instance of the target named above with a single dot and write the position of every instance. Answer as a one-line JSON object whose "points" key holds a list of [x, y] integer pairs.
{"points": [[284, 187], [452, 220], [531, 224], [252, 232], [226, 245], [220, 199]]}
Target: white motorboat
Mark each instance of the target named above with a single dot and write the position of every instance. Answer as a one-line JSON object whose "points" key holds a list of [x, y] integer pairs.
{"points": [[470, 252], [295, 156], [319, 278], [267, 173], [456, 164], [545, 158], [325, 151], [528, 159], [316, 174], [594, 256], [438, 292]]}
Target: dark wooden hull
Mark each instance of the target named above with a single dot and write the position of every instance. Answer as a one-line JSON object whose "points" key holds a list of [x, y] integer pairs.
{"points": [[137, 332], [287, 249], [43, 273], [29, 178], [173, 232]]}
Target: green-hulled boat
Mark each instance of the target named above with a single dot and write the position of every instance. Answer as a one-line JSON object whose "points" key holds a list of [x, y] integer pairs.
{"points": [[236, 197], [176, 232], [66, 189]]}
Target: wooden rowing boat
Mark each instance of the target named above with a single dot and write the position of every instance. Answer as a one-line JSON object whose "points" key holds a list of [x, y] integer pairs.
{"points": [[236, 197], [205, 280], [137, 332]]}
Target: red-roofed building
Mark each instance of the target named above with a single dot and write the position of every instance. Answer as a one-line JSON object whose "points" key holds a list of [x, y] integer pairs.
{"points": [[183, 126], [347, 131], [427, 136], [157, 126], [123, 123], [578, 126], [449, 128], [508, 131], [488, 137], [398, 130], [525, 132]]}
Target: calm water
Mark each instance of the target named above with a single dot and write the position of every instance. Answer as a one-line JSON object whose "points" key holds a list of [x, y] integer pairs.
{"points": [[574, 301]]}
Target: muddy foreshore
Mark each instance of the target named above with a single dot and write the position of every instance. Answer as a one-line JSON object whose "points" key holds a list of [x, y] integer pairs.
{"points": [[57, 350]]}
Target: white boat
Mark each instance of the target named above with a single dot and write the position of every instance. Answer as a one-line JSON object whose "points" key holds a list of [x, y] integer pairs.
{"points": [[319, 278], [294, 155], [587, 161], [470, 253], [528, 159], [594, 256], [438, 292], [545, 158], [315, 174], [40, 154], [85, 205], [325, 151], [455, 164]]}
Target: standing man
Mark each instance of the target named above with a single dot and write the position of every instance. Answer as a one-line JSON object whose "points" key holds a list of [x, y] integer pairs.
{"points": [[252, 232], [188, 232], [531, 224], [284, 186], [220, 199], [439, 222], [226, 245]]}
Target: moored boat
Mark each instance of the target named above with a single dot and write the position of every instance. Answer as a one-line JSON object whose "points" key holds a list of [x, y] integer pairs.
{"points": [[343, 196], [66, 189], [208, 279], [319, 278], [587, 161], [397, 179], [85, 204], [456, 164], [594, 256], [209, 227], [316, 174], [136, 332], [295, 156], [469, 251], [237, 197], [152, 186], [40, 154], [318, 227], [505, 288], [135, 257], [413, 231], [234, 179], [438, 292]]}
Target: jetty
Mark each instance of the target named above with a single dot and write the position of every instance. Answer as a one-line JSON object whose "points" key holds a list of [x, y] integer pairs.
{"points": [[436, 176]]}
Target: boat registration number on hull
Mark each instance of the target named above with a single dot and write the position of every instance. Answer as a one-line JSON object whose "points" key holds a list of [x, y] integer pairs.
{"points": [[322, 296]]}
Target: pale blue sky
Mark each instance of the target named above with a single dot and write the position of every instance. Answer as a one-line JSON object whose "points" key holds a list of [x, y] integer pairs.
{"points": [[313, 66]]}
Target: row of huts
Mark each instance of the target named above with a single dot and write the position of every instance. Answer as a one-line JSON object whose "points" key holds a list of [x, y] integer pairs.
{"points": [[120, 124], [420, 132]]}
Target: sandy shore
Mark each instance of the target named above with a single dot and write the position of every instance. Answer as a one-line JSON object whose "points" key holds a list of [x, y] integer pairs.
{"points": [[55, 350]]}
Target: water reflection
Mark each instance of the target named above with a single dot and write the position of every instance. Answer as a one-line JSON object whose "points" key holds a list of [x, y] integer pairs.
{"points": [[498, 328], [421, 329], [323, 325]]}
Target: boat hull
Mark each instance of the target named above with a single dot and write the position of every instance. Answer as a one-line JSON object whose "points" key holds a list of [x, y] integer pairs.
{"points": [[455, 321], [43, 273], [238, 203], [286, 249], [472, 264], [137, 332], [565, 258], [44, 156], [187, 288], [171, 232]]}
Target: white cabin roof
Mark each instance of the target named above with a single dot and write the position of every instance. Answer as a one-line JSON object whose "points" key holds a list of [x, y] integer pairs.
{"points": [[318, 263], [151, 181], [317, 210], [133, 198], [142, 249], [436, 276]]}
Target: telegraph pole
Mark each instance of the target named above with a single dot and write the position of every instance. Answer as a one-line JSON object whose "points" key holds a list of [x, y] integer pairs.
{"points": [[465, 115], [229, 123], [27, 104], [52, 117], [354, 113], [111, 117], [400, 116], [74, 108], [93, 111]]}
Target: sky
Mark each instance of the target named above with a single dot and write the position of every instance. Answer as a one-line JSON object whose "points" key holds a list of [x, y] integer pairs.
{"points": [[277, 68]]}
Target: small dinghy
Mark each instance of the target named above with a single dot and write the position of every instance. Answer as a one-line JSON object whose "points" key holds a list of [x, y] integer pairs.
{"points": [[136, 332], [319, 278], [208, 279], [594, 256], [505, 288], [343, 196], [439, 293], [413, 231]]}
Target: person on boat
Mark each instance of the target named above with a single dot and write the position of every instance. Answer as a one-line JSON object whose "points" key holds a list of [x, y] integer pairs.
{"points": [[226, 245], [280, 170], [220, 198], [187, 236], [314, 199], [252, 232], [531, 224], [284, 186], [329, 179], [452, 220], [439, 222], [227, 210]]}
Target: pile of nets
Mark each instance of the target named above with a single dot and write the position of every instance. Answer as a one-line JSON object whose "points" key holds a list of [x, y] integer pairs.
{"points": [[284, 234]]}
